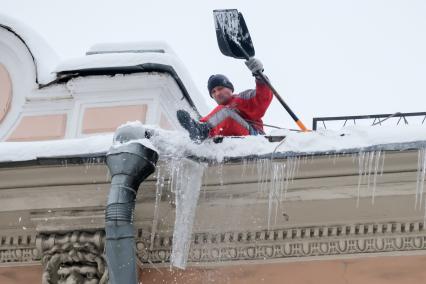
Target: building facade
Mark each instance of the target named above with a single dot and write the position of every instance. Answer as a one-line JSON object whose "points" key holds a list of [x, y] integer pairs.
{"points": [[323, 222]]}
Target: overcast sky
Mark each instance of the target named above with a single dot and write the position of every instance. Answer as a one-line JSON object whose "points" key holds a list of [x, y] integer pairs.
{"points": [[325, 57]]}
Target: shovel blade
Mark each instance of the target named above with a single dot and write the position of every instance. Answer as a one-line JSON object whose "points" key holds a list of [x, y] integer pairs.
{"points": [[232, 34]]}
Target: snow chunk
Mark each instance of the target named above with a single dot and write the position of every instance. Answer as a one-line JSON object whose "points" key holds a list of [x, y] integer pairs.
{"points": [[132, 132]]}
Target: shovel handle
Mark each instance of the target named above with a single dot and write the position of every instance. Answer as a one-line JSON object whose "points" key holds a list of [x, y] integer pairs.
{"points": [[287, 108], [266, 80]]}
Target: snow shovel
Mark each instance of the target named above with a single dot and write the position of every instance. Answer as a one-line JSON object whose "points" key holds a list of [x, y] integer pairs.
{"points": [[234, 40]]}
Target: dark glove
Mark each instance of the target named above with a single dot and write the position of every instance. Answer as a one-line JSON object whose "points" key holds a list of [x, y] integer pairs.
{"points": [[254, 65]]}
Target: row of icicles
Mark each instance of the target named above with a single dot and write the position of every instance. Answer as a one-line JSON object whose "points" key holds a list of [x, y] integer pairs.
{"points": [[273, 178]]}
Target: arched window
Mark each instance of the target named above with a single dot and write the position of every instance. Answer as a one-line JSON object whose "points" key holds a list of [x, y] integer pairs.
{"points": [[5, 92]]}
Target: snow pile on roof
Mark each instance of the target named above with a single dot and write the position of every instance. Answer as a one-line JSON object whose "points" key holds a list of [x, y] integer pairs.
{"points": [[350, 139], [177, 144], [131, 47], [45, 57], [112, 60]]}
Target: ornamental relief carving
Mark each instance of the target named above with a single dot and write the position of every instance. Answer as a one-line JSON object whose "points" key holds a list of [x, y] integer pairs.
{"points": [[75, 257], [18, 248], [293, 242]]}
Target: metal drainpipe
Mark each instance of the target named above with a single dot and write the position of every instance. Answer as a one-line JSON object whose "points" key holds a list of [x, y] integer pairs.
{"points": [[129, 164]]}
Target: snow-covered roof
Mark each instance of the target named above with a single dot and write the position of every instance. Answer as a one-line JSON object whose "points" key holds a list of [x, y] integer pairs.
{"points": [[105, 56], [45, 58], [137, 57], [177, 144]]}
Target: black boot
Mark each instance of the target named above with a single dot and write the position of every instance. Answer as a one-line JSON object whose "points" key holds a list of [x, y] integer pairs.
{"points": [[198, 131]]}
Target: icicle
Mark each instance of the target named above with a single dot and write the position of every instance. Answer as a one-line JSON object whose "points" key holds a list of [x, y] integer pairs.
{"points": [[370, 164], [422, 177], [296, 172], [419, 155], [263, 170], [376, 168], [270, 200], [158, 193], [275, 189], [220, 174], [266, 174], [263, 167], [107, 175], [259, 171], [383, 164], [187, 184], [175, 171], [282, 171], [244, 164], [421, 172], [361, 158], [288, 176], [205, 181]]}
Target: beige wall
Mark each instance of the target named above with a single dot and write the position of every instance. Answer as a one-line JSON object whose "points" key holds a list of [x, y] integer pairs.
{"points": [[107, 119], [21, 274], [5, 92], [40, 127], [374, 270]]}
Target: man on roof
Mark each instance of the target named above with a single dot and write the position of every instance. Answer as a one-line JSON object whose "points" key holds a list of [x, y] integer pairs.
{"points": [[236, 114]]}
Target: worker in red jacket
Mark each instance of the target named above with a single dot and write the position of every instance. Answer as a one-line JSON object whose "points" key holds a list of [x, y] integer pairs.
{"points": [[236, 114]]}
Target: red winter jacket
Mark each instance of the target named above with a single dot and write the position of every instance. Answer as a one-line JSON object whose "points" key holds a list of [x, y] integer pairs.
{"points": [[249, 105]]}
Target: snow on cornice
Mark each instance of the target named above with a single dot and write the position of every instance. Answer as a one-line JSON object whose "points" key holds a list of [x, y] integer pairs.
{"points": [[176, 144], [45, 58], [323, 142]]}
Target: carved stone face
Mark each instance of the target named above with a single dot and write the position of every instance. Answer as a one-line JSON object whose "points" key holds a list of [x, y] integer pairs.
{"points": [[78, 274], [73, 258]]}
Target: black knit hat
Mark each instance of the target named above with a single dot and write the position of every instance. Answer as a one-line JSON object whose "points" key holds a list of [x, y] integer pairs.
{"points": [[218, 80]]}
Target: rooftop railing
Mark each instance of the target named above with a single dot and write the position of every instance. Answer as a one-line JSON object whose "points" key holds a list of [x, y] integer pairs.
{"points": [[411, 118]]}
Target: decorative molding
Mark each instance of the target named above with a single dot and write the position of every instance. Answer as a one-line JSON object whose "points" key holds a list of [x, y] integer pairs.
{"points": [[292, 242], [209, 247], [18, 248]]}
